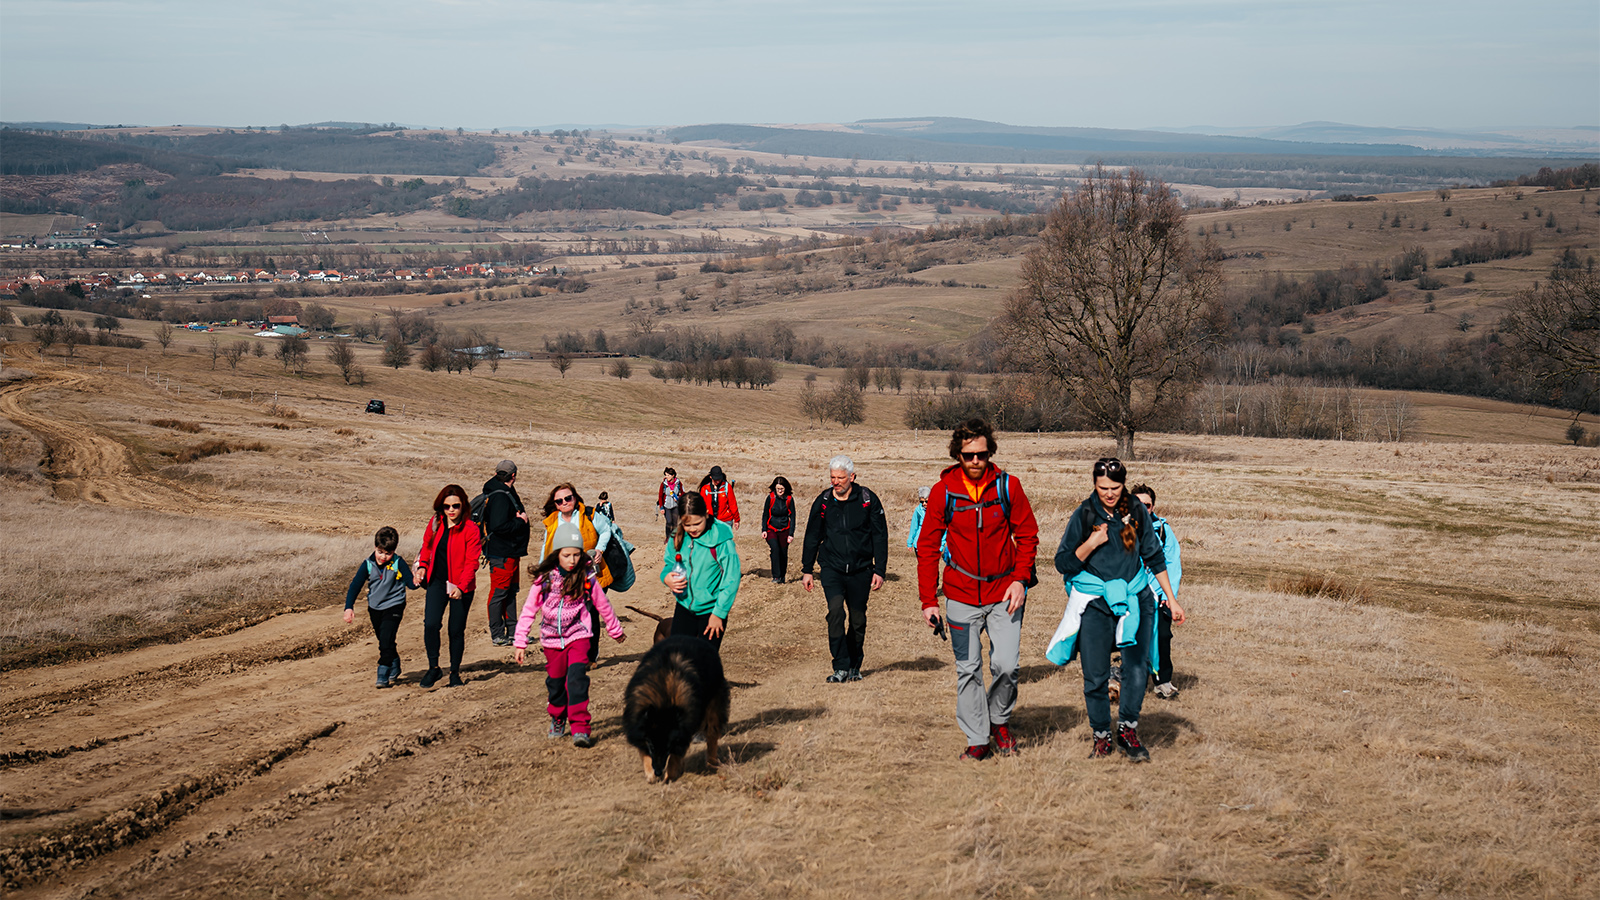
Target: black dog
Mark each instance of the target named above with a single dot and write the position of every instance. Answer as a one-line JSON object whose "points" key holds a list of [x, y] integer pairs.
{"points": [[677, 690]]}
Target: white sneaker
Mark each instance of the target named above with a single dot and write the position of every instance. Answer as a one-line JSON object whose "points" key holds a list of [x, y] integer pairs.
{"points": [[1166, 691]]}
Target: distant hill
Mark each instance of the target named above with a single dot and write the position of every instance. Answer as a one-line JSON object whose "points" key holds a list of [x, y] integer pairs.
{"points": [[28, 153], [1556, 142]]}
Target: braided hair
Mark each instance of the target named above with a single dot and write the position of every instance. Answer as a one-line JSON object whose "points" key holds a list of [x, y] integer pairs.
{"points": [[1112, 468]]}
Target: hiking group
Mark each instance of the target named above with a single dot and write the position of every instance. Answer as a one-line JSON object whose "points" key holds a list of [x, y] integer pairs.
{"points": [[976, 520]]}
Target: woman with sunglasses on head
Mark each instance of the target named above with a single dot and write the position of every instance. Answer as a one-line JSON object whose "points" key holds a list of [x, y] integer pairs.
{"points": [[1108, 556], [447, 568]]}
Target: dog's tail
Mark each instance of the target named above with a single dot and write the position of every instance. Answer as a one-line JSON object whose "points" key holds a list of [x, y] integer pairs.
{"points": [[649, 614]]}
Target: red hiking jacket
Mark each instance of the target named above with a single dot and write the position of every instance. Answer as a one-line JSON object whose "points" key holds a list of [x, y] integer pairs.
{"points": [[988, 550], [466, 545]]}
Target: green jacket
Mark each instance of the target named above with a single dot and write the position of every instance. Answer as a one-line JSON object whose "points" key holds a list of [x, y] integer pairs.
{"points": [[713, 564]]}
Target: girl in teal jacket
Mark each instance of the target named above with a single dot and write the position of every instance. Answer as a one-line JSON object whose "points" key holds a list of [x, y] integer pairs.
{"points": [[701, 568]]}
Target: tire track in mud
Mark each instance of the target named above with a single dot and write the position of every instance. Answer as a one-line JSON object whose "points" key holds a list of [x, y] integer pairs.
{"points": [[81, 463], [74, 844], [15, 758], [198, 668]]}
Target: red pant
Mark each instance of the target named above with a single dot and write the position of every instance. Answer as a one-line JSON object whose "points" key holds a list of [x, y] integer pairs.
{"points": [[566, 678]]}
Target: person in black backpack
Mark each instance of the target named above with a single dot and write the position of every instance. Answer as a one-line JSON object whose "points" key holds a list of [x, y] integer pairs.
{"points": [[849, 535], [777, 525], [504, 521]]}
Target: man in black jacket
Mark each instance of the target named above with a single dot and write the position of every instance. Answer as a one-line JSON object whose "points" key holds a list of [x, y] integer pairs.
{"points": [[505, 542], [848, 534]]}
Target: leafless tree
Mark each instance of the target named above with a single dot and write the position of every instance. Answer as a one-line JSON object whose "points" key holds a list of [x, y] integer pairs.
{"points": [[1115, 304], [164, 336], [561, 363], [235, 352], [343, 358], [1558, 325], [846, 405], [214, 347], [395, 351]]}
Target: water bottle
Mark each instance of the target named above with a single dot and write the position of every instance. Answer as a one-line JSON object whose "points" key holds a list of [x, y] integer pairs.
{"points": [[678, 568]]}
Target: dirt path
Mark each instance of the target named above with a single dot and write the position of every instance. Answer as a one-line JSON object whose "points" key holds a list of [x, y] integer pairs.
{"points": [[82, 463]]}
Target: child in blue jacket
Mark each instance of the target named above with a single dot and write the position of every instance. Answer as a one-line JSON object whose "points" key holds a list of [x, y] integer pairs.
{"points": [[1169, 546], [387, 577]]}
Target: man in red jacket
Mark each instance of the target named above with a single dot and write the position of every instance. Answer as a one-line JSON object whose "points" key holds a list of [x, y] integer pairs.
{"points": [[992, 540]]}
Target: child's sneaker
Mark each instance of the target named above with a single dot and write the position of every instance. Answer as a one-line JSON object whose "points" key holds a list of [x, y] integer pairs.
{"points": [[383, 675], [583, 740], [558, 727], [394, 672]]}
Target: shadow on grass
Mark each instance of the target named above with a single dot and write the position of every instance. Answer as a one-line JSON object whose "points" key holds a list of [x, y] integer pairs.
{"points": [[1029, 674], [1038, 723], [745, 751], [784, 716], [920, 664], [1161, 729]]}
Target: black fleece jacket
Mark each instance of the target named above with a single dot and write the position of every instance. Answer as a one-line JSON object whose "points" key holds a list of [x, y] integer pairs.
{"points": [[504, 535], [847, 535]]}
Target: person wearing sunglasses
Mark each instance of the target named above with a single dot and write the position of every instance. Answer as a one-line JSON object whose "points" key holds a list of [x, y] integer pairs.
{"points": [[564, 506], [982, 516], [447, 568], [1108, 557]]}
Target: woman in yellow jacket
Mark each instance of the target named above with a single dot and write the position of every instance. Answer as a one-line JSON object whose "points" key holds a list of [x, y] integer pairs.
{"points": [[565, 506]]}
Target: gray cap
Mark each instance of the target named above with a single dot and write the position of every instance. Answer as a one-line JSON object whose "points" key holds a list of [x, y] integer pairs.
{"points": [[922, 493], [567, 535], [506, 467]]}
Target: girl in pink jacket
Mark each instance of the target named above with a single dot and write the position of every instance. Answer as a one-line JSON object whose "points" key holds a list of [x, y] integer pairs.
{"points": [[564, 587]]}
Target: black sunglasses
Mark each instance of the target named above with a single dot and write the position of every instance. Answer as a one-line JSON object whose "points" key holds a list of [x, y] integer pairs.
{"points": [[565, 499], [1108, 465], [974, 457]]}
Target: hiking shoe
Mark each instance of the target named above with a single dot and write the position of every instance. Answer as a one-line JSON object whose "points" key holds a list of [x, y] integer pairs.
{"points": [[394, 672], [1004, 743], [432, 678], [500, 641], [558, 728], [455, 680], [1166, 691], [383, 675], [1102, 747], [584, 740], [976, 752], [839, 676], [855, 675], [1128, 740]]}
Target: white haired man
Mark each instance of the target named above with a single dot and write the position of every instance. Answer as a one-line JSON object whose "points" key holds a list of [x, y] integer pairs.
{"points": [[848, 535]]}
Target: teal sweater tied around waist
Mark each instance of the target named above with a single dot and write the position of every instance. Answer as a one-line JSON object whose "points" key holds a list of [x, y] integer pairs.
{"points": [[1122, 598]]}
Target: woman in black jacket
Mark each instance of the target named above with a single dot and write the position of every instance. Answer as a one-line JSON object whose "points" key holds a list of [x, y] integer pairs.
{"points": [[777, 525]]}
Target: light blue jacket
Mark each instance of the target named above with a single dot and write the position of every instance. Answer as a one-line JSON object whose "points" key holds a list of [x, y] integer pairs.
{"points": [[1169, 548], [1121, 596], [916, 525]]}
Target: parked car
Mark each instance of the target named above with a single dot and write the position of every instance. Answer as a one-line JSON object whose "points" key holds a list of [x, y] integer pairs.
{"points": [[375, 406]]}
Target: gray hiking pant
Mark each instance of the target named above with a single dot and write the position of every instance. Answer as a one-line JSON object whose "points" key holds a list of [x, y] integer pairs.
{"points": [[976, 709]]}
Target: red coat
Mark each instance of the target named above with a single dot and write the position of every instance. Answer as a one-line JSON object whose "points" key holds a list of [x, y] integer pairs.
{"points": [[982, 541], [466, 545], [722, 500]]}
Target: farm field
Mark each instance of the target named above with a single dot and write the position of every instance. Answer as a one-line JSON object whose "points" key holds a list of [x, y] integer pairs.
{"points": [[1387, 685]]}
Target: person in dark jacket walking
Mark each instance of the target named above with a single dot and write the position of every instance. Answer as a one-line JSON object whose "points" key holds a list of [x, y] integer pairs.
{"points": [[505, 543], [1108, 556], [387, 578], [848, 534], [777, 525]]}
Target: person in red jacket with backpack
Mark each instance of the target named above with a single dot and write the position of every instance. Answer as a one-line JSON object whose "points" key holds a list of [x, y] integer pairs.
{"points": [[447, 567], [718, 491], [992, 540]]}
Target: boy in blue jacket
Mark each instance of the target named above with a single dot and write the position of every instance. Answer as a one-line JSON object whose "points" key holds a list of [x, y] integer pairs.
{"points": [[387, 577], [1169, 546]]}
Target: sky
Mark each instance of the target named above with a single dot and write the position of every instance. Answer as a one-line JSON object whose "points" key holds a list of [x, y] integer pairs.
{"points": [[536, 63]]}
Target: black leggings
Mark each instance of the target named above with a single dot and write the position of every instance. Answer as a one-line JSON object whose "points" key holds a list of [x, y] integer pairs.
{"points": [[691, 623], [780, 556], [386, 625], [433, 617]]}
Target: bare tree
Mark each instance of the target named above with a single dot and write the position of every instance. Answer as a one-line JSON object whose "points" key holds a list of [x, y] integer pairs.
{"points": [[235, 352], [1114, 303], [214, 347], [955, 380], [812, 405], [46, 334], [846, 405], [164, 336], [433, 357], [621, 369], [293, 353], [343, 358], [395, 351], [71, 336], [1558, 325], [561, 363]]}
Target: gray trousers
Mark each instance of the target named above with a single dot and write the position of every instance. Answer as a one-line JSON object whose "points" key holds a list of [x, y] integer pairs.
{"points": [[976, 709]]}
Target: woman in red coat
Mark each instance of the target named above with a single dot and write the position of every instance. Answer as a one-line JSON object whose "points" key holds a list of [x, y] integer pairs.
{"points": [[447, 567]]}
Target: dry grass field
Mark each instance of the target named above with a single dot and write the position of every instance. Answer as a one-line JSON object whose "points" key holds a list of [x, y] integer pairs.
{"points": [[1387, 684]]}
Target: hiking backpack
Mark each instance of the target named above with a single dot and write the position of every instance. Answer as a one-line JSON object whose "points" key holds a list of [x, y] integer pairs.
{"points": [[954, 503]]}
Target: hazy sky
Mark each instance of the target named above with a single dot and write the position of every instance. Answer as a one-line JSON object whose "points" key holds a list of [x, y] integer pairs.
{"points": [[501, 63]]}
